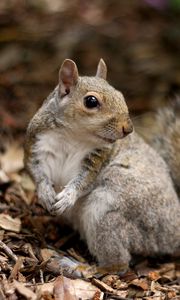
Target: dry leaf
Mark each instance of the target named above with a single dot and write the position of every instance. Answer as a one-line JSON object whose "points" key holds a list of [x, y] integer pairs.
{"points": [[165, 268], [98, 296], [8, 288], [8, 223], [47, 253], [171, 295], [120, 285], [140, 283], [79, 288], [62, 289], [24, 291], [154, 275], [110, 279], [45, 288]]}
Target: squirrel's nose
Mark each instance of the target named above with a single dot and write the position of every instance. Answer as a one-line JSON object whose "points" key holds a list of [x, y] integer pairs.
{"points": [[127, 128]]}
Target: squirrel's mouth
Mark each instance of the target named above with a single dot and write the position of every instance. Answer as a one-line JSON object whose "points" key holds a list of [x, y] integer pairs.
{"points": [[107, 140]]}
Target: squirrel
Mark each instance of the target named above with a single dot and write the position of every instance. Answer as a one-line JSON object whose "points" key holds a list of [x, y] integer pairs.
{"points": [[93, 169]]}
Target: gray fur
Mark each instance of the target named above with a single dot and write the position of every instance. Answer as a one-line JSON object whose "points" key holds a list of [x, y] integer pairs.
{"points": [[143, 214]]}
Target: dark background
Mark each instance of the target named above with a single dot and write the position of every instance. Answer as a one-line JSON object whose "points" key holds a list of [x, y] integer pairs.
{"points": [[139, 40]]}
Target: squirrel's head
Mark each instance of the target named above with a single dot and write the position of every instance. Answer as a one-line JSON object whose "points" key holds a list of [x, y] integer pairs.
{"points": [[93, 108]]}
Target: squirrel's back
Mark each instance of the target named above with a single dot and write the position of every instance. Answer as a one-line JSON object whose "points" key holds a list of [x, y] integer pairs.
{"points": [[167, 139]]}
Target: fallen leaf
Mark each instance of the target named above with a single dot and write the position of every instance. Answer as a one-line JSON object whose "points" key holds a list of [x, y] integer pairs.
{"points": [[79, 288], [62, 289], [9, 223], [165, 268], [8, 288], [110, 279], [98, 296], [154, 275], [134, 292], [171, 294], [45, 288], [47, 253], [120, 285], [140, 283], [24, 291]]}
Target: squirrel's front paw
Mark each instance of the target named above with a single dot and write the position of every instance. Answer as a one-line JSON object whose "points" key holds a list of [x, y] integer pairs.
{"points": [[46, 196], [65, 200]]}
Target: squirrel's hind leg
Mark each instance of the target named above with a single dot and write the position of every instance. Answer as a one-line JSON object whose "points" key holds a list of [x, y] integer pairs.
{"points": [[105, 230]]}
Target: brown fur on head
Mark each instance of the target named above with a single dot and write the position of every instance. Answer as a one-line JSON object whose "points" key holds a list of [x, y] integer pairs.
{"points": [[93, 106]]}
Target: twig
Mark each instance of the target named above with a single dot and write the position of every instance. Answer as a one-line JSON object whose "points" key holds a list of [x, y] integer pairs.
{"points": [[8, 251], [112, 293], [41, 276], [16, 268]]}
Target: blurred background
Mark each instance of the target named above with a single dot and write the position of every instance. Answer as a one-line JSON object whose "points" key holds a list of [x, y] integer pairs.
{"points": [[139, 40]]}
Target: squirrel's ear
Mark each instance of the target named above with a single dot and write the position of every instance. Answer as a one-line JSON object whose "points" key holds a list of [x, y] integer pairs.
{"points": [[68, 77], [101, 69]]}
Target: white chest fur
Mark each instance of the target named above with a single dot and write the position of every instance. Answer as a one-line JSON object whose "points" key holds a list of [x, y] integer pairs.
{"points": [[61, 156]]}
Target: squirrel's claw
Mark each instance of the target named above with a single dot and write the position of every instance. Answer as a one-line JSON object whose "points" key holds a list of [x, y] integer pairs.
{"points": [[64, 200], [46, 196]]}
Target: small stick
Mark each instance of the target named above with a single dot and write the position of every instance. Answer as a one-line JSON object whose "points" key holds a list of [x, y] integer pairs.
{"points": [[41, 276], [8, 251]]}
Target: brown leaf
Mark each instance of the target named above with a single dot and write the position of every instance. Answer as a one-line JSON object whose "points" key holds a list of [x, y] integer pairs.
{"points": [[110, 279], [98, 296], [8, 223], [46, 253], [74, 289], [8, 288], [154, 275], [120, 285], [165, 268], [62, 289], [134, 292], [171, 294], [24, 291], [45, 288], [140, 283]]}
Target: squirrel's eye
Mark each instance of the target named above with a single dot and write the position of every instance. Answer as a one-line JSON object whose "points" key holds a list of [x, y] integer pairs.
{"points": [[91, 101]]}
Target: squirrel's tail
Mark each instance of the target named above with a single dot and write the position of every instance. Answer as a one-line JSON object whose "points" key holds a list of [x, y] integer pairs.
{"points": [[167, 140]]}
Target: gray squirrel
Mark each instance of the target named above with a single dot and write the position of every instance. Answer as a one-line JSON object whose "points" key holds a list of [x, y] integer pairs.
{"points": [[90, 167]]}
